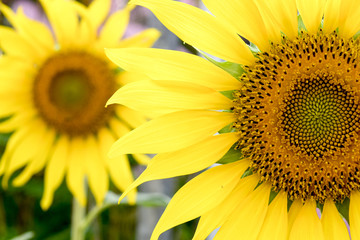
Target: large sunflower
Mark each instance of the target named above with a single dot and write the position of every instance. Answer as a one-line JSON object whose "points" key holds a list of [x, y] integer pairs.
{"points": [[285, 107], [53, 94]]}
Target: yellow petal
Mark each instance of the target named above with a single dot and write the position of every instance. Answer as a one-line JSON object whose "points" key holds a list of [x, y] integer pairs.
{"points": [[215, 217], [173, 164], [114, 28], [25, 150], [12, 106], [38, 161], [200, 195], [55, 171], [200, 29], [142, 158], [307, 225], [86, 30], [333, 225], [16, 138], [98, 11], [285, 15], [238, 14], [120, 173], [17, 120], [276, 220], [15, 45], [144, 39], [354, 215], [14, 66], [95, 169], [293, 212], [129, 116], [331, 15], [349, 22], [75, 177], [202, 155], [118, 127], [11, 81], [247, 218], [271, 23], [126, 77], [33, 31], [119, 167], [311, 13], [173, 65], [162, 96], [171, 132], [65, 28]]}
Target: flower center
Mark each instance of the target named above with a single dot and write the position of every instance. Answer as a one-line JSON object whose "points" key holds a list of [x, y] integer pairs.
{"points": [[318, 116], [70, 92], [298, 116]]}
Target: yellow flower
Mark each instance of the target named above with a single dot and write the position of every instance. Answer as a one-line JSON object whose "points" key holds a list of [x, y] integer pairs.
{"points": [[289, 130], [53, 93]]}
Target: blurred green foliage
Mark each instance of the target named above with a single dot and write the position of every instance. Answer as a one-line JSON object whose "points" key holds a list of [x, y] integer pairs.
{"points": [[20, 212]]}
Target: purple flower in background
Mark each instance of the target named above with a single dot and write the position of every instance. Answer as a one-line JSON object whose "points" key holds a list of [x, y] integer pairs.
{"points": [[31, 9]]}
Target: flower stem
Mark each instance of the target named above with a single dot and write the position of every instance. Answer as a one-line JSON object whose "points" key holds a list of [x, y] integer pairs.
{"points": [[78, 215]]}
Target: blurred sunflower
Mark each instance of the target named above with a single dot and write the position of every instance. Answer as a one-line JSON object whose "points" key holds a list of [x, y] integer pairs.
{"points": [[54, 86], [286, 108]]}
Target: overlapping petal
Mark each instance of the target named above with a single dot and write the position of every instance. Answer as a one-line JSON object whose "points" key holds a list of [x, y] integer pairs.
{"points": [[311, 13], [354, 215], [248, 216], [196, 197], [276, 220], [238, 14], [172, 164], [168, 96], [307, 224], [171, 132], [160, 64], [200, 30], [333, 225], [218, 215]]}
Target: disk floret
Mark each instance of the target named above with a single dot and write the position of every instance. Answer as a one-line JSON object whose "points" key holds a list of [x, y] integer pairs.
{"points": [[298, 114], [70, 92]]}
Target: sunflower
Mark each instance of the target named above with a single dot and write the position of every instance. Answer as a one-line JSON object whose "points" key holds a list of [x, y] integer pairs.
{"points": [[54, 86], [281, 114]]}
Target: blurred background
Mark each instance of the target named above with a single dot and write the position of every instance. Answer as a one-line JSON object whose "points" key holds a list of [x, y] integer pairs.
{"points": [[21, 217]]}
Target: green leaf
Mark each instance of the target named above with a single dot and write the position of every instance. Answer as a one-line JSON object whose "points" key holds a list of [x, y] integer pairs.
{"points": [[118, 70], [227, 129], [301, 25], [254, 48], [343, 208], [273, 194], [248, 172], [233, 68], [229, 94], [356, 35], [25, 236], [232, 155]]}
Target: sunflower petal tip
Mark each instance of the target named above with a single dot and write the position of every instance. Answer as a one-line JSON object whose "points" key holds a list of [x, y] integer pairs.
{"points": [[44, 204], [121, 197], [110, 53], [82, 201], [110, 101]]}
